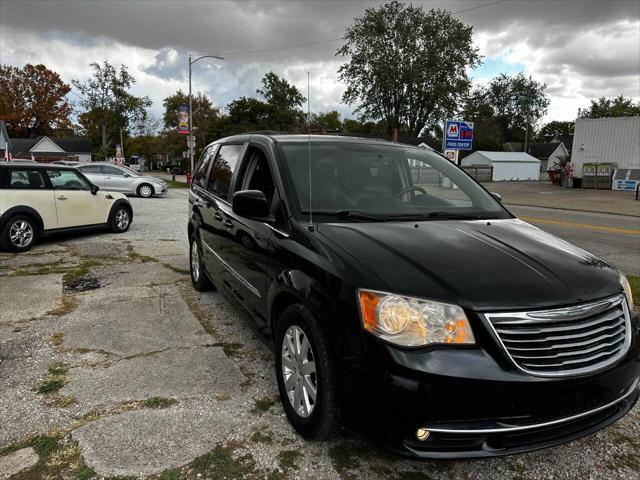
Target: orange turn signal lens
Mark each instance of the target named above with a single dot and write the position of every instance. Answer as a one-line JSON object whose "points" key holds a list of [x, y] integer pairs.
{"points": [[368, 303]]}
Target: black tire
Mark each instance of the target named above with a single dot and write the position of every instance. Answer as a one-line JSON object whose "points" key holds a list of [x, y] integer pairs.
{"points": [[16, 224], [322, 422], [120, 219], [199, 278], [145, 190]]}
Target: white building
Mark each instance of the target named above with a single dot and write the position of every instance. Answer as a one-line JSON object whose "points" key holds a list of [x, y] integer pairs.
{"points": [[506, 165], [47, 149], [606, 140]]}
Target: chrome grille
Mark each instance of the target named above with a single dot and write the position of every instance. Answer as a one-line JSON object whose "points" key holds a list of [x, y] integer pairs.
{"points": [[565, 341]]}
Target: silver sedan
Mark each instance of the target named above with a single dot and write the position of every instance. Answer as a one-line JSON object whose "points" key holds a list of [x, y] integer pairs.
{"points": [[122, 179]]}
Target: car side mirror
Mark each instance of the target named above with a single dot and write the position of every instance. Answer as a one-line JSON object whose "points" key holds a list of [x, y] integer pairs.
{"points": [[497, 196], [250, 204], [94, 189], [126, 175]]}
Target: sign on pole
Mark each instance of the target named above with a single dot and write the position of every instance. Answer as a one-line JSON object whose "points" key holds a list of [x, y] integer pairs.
{"points": [[451, 155], [183, 119], [458, 135]]}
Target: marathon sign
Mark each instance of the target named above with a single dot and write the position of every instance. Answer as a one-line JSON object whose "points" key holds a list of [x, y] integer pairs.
{"points": [[458, 135]]}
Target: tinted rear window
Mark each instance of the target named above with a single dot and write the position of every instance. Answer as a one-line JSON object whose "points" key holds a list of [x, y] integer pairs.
{"points": [[26, 179]]}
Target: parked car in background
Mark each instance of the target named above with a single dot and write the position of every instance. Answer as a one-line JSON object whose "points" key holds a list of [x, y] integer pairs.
{"points": [[404, 300], [39, 199], [68, 163], [123, 179]]}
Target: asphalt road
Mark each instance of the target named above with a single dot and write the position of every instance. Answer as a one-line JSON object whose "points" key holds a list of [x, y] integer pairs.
{"points": [[614, 238]]}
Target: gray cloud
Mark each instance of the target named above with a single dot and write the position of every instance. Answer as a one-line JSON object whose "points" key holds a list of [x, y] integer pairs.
{"points": [[577, 47]]}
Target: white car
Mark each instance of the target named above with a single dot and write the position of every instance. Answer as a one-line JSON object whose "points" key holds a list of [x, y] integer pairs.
{"points": [[37, 199], [123, 179]]}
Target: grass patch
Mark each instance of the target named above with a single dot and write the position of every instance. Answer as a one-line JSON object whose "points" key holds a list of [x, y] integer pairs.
{"points": [[159, 402], [263, 405], [74, 273], [56, 339], [85, 473], [347, 456], [230, 349], [55, 379], [176, 269], [44, 445], [172, 474], [287, 459], [219, 463], [66, 303], [634, 281], [176, 184], [259, 437]]}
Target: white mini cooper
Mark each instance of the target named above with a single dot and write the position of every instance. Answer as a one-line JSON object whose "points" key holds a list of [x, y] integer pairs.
{"points": [[37, 199]]}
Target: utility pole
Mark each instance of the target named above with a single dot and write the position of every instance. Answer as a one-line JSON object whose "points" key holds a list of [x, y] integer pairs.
{"points": [[526, 135], [191, 136]]}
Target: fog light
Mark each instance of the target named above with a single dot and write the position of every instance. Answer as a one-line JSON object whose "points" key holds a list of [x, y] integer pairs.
{"points": [[422, 434]]}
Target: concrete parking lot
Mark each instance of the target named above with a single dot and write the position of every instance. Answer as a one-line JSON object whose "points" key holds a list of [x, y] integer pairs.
{"points": [[111, 365]]}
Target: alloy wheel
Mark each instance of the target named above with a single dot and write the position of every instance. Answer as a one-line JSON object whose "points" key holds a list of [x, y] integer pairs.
{"points": [[195, 261], [21, 233], [299, 371], [122, 219], [145, 191]]}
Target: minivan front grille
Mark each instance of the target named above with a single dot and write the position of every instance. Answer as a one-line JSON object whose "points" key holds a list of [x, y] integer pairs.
{"points": [[565, 341]]}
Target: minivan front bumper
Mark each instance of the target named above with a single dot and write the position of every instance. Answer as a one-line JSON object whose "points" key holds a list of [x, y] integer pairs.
{"points": [[474, 403]]}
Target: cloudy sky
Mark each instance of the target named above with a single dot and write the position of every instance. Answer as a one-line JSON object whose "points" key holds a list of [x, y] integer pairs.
{"points": [[581, 49]]}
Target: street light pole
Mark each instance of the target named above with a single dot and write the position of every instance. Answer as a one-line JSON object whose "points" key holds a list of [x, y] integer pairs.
{"points": [[191, 136]]}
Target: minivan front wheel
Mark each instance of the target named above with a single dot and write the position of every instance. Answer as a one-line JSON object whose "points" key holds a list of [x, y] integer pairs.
{"points": [[306, 374]]}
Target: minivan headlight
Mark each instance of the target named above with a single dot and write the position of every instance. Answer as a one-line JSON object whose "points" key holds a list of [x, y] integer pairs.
{"points": [[412, 322], [627, 291]]}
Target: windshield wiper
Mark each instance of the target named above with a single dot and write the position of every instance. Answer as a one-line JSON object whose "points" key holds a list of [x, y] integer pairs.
{"points": [[356, 215], [456, 216]]}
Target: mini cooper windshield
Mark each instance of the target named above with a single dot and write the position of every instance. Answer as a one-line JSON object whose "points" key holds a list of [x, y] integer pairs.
{"points": [[365, 182]]}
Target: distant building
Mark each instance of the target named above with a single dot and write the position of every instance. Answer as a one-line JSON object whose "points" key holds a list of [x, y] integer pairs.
{"points": [[506, 165], [48, 149], [4, 139], [566, 140], [549, 153], [606, 140]]}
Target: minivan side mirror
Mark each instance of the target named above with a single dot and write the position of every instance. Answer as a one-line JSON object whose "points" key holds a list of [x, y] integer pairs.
{"points": [[497, 196], [94, 189], [250, 204]]}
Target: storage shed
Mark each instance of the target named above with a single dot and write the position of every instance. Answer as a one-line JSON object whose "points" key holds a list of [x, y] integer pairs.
{"points": [[606, 140], [506, 165]]}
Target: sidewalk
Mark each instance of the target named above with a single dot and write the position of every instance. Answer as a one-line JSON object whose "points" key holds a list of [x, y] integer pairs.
{"points": [[544, 194]]}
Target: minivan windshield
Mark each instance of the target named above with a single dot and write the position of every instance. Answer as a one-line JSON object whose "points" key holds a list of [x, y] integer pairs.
{"points": [[369, 182]]}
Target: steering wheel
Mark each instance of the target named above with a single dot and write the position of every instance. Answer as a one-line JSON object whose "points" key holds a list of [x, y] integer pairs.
{"points": [[410, 189]]}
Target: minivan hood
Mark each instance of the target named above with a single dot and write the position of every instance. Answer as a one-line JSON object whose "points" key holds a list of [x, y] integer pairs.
{"points": [[482, 265]]}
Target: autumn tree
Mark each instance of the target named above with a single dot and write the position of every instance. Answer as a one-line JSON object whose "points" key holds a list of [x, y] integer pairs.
{"points": [[603, 107], [108, 105], [407, 66], [33, 101]]}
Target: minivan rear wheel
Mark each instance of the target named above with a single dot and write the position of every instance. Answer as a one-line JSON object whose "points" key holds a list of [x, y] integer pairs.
{"points": [[306, 374]]}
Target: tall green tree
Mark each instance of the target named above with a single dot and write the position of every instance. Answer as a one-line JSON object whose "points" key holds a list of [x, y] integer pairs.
{"points": [[330, 120], [108, 105], [603, 107], [34, 101], [557, 127], [204, 112], [515, 103], [407, 66], [284, 103]]}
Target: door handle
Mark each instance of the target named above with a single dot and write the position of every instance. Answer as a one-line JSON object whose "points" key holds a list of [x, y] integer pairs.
{"points": [[62, 197], [227, 223], [218, 217]]}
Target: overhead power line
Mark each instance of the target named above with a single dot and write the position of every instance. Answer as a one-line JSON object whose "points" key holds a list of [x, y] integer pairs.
{"points": [[331, 40]]}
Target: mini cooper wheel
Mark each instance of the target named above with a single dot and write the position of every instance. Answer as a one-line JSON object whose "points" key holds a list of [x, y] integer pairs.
{"points": [[18, 234], [121, 220], [306, 375], [145, 190], [199, 278]]}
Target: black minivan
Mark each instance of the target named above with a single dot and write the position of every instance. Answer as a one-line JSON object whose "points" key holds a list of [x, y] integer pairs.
{"points": [[403, 300]]}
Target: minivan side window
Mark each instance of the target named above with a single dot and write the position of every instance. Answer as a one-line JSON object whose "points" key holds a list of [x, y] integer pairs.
{"points": [[223, 169], [202, 167], [26, 179]]}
